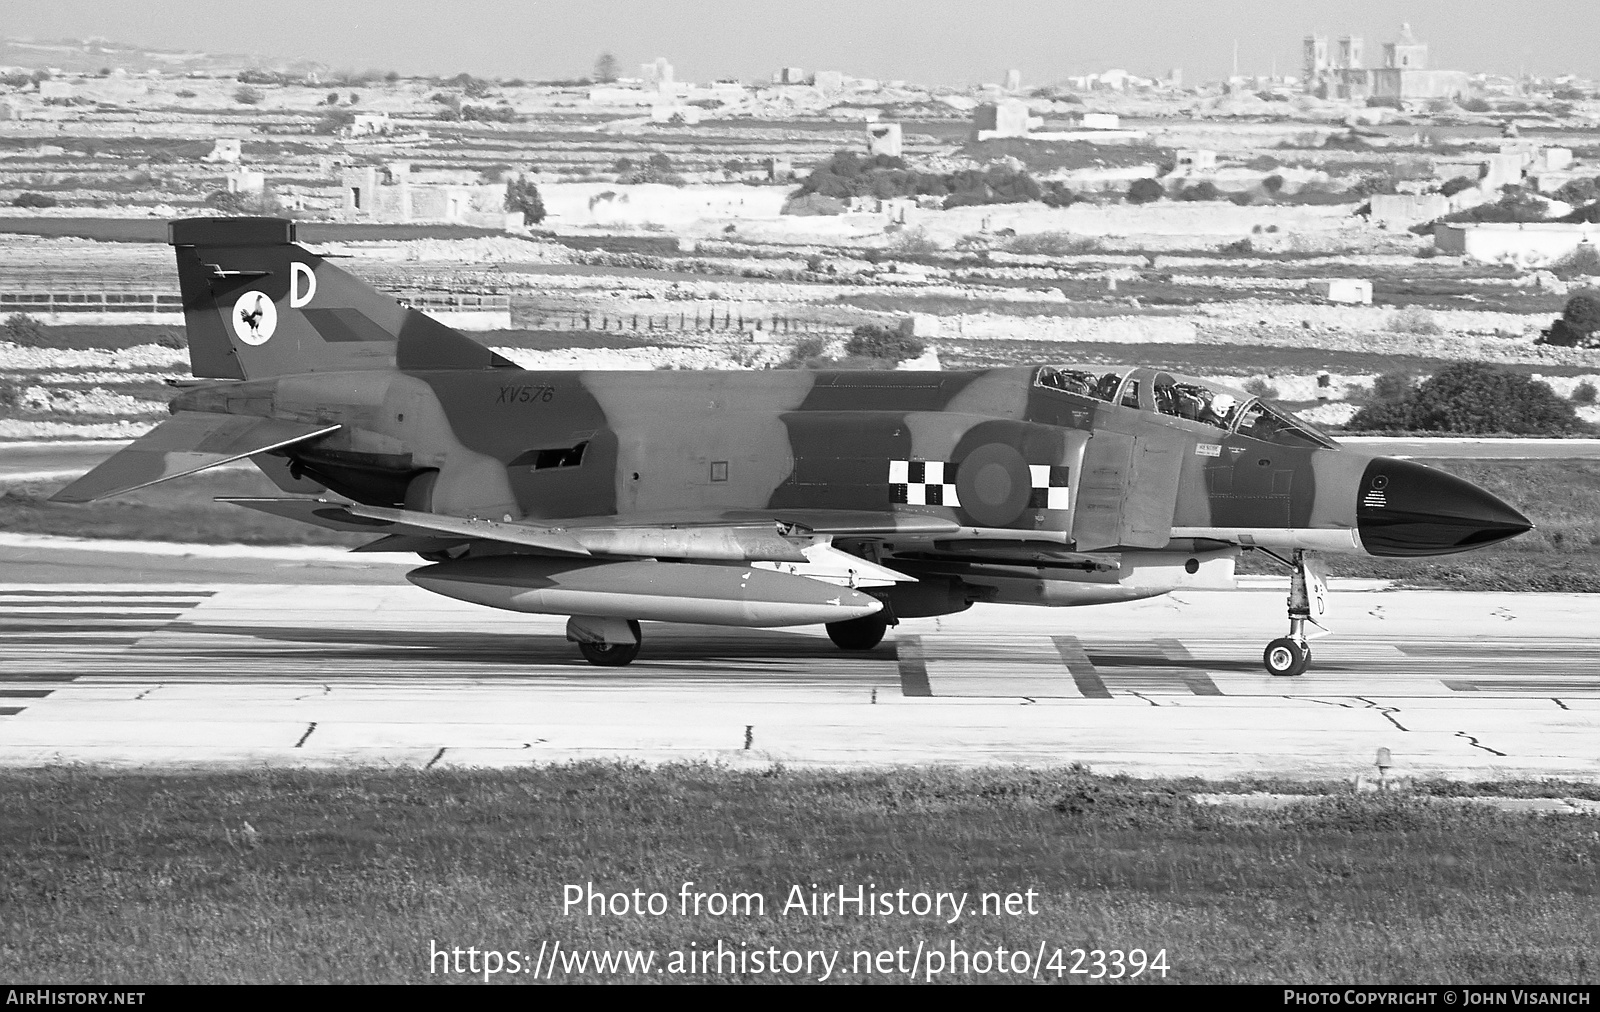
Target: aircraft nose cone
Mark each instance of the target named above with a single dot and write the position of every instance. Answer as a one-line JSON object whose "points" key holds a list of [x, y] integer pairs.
{"points": [[1404, 508]]}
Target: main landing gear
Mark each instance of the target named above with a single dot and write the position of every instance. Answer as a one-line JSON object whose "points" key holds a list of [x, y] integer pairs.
{"points": [[606, 642], [1308, 601], [862, 633]]}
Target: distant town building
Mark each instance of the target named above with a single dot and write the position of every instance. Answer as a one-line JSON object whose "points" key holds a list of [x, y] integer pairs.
{"points": [[1006, 118], [1407, 209], [394, 193], [1101, 121], [1499, 242], [1191, 161], [55, 90], [1013, 80], [1355, 291], [828, 81], [369, 124], [789, 75], [1342, 74], [656, 73], [246, 181], [884, 139]]}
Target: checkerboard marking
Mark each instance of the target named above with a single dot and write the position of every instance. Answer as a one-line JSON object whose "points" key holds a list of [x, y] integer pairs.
{"points": [[923, 483], [933, 483], [1050, 487]]}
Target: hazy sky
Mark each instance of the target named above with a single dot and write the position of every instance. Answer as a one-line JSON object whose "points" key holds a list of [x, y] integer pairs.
{"points": [[932, 41]]}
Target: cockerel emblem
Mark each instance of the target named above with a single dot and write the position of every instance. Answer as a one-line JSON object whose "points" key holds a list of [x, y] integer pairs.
{"points": [[255, 317]]}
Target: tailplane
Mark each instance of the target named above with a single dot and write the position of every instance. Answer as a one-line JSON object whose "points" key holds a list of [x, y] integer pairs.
{"points": [[257, 304]]}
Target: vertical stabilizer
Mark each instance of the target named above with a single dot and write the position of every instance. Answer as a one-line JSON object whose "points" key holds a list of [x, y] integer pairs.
{"points": [[256, 305]]}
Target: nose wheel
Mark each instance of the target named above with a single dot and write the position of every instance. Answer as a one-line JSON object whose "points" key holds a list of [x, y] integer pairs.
{"points": [[1290, 655], [1286, 656]]}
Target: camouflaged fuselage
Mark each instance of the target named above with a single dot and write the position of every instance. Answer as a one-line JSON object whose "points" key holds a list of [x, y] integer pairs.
{"points": [[1009, 453]]}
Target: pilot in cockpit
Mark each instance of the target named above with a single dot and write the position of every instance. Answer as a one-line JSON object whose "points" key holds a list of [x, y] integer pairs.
{"points": [[1220, 411]]}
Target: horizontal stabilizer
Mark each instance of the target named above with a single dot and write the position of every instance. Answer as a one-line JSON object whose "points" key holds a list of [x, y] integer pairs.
{"points": [[187, 442], [339, 516]]}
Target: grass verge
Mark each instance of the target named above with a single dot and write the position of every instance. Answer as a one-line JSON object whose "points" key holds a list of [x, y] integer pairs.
{"points": [[351, 876]]}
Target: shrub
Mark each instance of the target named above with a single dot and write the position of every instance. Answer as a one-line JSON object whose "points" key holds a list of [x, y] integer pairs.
{"points": [[1143, 191], [1393, 387], [1239, 247], [334, 120], [805, 350], [1056, 194], [24, 330], [1474, 397], [1584, 260], [1559, 335], [1272, 184], [1243, 198], [1261, 388], [1578, 191], [522, 195], [1203, 190], [1583, 393], [1582, 312], [10, 394], [869, 341], [914, 243], [247, 96], [1456, 185], [1414, 320], [813, 204], [1347, 142], [33, 200], [1475, 105], [1050, 244], [489, 113], [1515, 205]]}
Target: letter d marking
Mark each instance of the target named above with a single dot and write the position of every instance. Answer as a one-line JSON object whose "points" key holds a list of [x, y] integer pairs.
{"points": [[298, 270]]}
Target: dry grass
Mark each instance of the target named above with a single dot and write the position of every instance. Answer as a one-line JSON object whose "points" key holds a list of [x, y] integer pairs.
{"points": [[348, 876]]}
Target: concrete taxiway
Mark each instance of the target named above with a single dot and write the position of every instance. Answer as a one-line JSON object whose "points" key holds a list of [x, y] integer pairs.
{"points": [[274, 666]]}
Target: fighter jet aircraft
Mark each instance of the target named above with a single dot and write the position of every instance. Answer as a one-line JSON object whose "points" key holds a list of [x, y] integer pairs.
{"points": [[760, 498]]}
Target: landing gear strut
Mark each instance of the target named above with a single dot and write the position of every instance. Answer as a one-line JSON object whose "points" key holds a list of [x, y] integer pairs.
{"points": [[1308, 601]]}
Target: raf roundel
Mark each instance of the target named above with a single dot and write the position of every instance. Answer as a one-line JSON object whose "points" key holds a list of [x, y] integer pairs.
{"points": [[254, 318]]}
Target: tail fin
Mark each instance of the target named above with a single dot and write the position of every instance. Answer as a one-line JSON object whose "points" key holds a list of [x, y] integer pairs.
{"points": [[258, 305]]}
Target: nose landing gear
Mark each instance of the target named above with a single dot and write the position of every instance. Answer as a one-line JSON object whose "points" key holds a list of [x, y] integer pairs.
{"points": [[1290, 655]]}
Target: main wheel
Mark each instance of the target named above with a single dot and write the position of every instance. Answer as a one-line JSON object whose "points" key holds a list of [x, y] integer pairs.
{"points": [[613, 655], [858, 633], [1286, 657]]}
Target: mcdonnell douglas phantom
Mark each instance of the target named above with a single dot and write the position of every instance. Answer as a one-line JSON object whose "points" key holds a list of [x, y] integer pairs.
{"points": [[854, 499]]}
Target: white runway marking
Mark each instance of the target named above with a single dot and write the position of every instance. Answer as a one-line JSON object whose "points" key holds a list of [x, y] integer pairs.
{"points": [[1468, 685]]}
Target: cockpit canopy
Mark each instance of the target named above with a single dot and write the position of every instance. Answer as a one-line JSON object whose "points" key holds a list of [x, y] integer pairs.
{"points": [[1186, 397]]}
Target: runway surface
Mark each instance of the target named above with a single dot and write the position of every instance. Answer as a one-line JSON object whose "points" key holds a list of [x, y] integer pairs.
{"points": [[206, 672]]}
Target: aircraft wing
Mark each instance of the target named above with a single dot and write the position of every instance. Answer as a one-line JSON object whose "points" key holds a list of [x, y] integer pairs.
{"points": [[778, 536], [187, 442]]}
